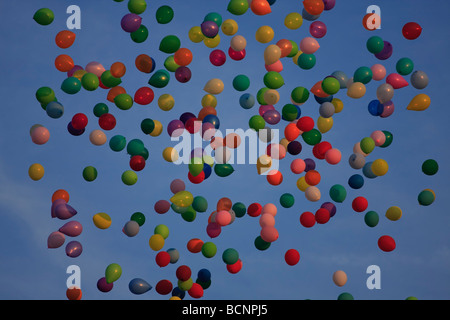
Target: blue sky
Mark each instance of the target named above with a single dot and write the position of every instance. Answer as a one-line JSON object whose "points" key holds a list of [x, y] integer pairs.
{"points": [[418, 267]]}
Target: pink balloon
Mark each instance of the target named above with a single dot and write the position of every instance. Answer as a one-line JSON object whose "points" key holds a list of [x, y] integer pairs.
{"points": [[266, 220], [388, 109], [276, 66], [378, 72], [177, 185], [269, 234], [223, 218], [264, 108], [40, 135], [318, 29], [379, 137], [71, 229], [298, 166], [269, 208], [276, 151], [309, 45], [213, 229], [55, 240], [64, 211], [55, 204], [333, 156], [95, 68], [396, 81]]}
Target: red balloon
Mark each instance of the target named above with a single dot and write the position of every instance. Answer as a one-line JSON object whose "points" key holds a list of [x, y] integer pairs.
{"points": [[359, 204], [386, 243], [197, 179], [196, 291], [162, 206], [307, 219], [79, 121], [183, 273], [235, 267], [164, 287], [193, 125], [254, 209], [217, 57], [411, 30], [236, 55], [291, 131], [322, 216], [162, 258], [144, 96], [213, 229], [314, 7], [292, 257], [73, 293], [320, 149], [107, 121], [137, 163], [305, 124]]}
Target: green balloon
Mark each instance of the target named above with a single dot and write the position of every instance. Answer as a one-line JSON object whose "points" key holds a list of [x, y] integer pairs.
{"points": [[312, 137], [289, 112], [100, 109], [44, 16], [260, 244], [273, 80], [164, 14], [425, 198], [147, 126], [257, 122], [135, 147], [299, 94], [345, 296], [185, 285], [389, 138], [144, 153], [241, 82], [363, 75], [195, 166], [223, 169], [71, 85], [239, 209], [139, 217], [170, 64], [178, 209], [430, 167], [108, 80], [123, 101], [404, 66], [90, 81], [367, 145], [117, 143], [205, 284], [338, 193], [140, 35], [170, 44], [215, 17], [287, 200], [137, 6], [189, 215], [45, 95], [306, 61], [209, 249], [200, 204], [375, 44], [230, 256], [411, 298], [238, 7], [331, 85], [159, 79], [89, 173], [129, 177], [294, 50], [113, 272], [260, 96], [162, 229], [371, 218]]}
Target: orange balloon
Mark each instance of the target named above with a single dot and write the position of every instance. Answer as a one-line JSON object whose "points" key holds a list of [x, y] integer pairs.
{"points": [[312, 177], [318, 91], [216, 142], [232, 140], [60, 194], [183, 57], [118, 69], [195, 245], [210, 216], [144, 63], [114, 92], [314, 7], [275, 177], [206, 111], [64, 63], [73, 293], [291, 131], [260, 7], [285, 46], [64, 39], [224, 204]]}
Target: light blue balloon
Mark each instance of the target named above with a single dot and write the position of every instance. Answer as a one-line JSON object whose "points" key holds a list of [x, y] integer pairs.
{"points": [[54, 109], [367, 170], [139, 286], [341, 77], [247, 101]]}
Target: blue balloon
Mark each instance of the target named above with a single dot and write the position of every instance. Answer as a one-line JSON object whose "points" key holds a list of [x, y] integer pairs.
{"points": [[177, 292], [139, 286], [54, 110], [367, 170], [247, 101], [375, 108], [207, 170], [356, 181], [342, 78], [204, 275], [322, 100], [212, 119]]}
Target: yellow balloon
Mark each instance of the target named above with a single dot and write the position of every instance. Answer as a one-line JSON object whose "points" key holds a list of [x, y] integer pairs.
{"points": [[209, 100], [293, 20], [284, 142], [338, 105], [174, 298], [36, 171], [272, 54], [271, 96], [79, 74], [264, 34], [301, 184], [166, 102], [434, 194], [263, 163], [156, 242], [170, 154], [195, 34], [214, 86], [380, 167], [356, 90], [182, 199], [229, 27], [295, 58], [102, 220], [394, 213], [419, 103], [157, 130], [208, 160], [212, 42], [324, 124]]}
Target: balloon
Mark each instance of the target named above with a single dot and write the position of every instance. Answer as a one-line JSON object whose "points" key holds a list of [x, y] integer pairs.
{"points": [[363, 75], [356, 90], [74, 293], [312, 193], [64, 211], [138, 217], [341, 77], [229, 27], [71, 85], [330, 85], [379, 167], [322, 216], [260, 7], [130, 22], [74, 249], [54, 110], [375, 44], [65, 38], [44, 16], [71, 229], [129, 177], [419, 103], [210, 29], [36, 171], [359, 204], [394, 213], [214, 86], [426, 197], [60, 194], [235, 267], [338, 193], [174, 255], [159, 79], [97, 137], [217, 57], [209, 249], [371, 219], [131, 228], [318, 29], [292, 257], [55, 240], [314, 7], [273, 80], [293, 20], [156, 242], [378, 137], [196, 291], [339, 278], [386, 53], [378, 72], [223, 170], [212, 42], [40, 135], [140, 35], [264, 34], [306, 61], [404, 66], [430, 167], [307, 219], [375, 108], [333, 156], [241, 82], [385, 92], [345, 296], [312, 137], [144, 63], [411, 30], [182, 199], [170, 44], [139, 286], [309, 45], [386, 243], [272, 54], [164, 14], [396, 81], [367, 145], [238, 7], [164, 287], [419, 79], [317, 90], [290, 111]]}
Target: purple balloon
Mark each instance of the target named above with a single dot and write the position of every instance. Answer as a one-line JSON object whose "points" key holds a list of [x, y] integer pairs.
{"points": [[329, 4], [162, 206], [64, 211], [310, 164], [73, 131], [55, 240], [294, 147], [197, 153], [264, 108], [71, 229], [208, 131], [272, 116], [388, 109], [104, 286], [186, 116], [183, 74], [130, 22], [55, 204], [175, 128], [210, 29], [318, 29], [72, 71], [386, 53], [74, 249], [177, 185], [330, 207]]}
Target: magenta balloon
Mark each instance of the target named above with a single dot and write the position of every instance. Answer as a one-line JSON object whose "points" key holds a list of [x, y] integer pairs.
{"points": [[55, 204], [72, 71], [396, 81], [388, 109], [318, 29], [264, 108], [213, 229], [272, 116], [236, 55], [71, 229], [74, 249], [183, 74], [162, 206], [103, 285], [329, 4], [175, 128], [217, 57], [177, 185], [130, 22], [55, 240], [387, 51], [209, 28], [64, 211]]}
